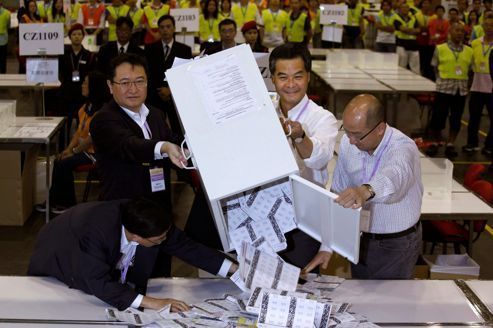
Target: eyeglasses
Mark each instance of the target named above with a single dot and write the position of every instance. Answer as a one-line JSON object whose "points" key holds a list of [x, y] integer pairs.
{"points": [[349, 134], [161, 239], [139, 84]]}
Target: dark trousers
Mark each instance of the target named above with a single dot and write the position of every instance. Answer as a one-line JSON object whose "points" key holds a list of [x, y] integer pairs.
{"points": [[3, 59], [476, 103], [445, 103], [392, 258], [425, 56], [385, 47], [62, 190]]}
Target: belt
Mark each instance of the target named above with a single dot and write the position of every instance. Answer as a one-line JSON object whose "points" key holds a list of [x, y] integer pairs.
{"points": [[380, 236]]}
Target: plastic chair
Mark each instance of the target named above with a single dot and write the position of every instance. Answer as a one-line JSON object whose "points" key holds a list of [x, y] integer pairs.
{"points": [[92, 175], [425, 101], [473, 174], [451, 231]]}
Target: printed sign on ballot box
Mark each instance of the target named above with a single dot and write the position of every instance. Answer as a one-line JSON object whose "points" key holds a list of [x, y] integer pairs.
{"points": [[186, 18], [333, 14]]}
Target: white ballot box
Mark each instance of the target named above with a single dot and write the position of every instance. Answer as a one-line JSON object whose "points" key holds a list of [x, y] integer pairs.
{"points": [[235, 138]]}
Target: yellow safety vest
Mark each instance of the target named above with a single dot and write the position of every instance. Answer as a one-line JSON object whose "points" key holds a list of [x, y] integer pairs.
{"points": [[208, 28], [452, 65], [296, 28], [121, 12], [386, 20], [241, 16], [410, 24], [354, 15], [41, 9], [4, 20], [136, 16], [481, 56], [154, 15], [57, 19], [478, 31], [274, 22], [75, 11], [315, 23]]}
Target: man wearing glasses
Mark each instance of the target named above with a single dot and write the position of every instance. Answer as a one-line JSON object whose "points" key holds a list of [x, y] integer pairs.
{"points": [[103, 247], [132, 141], [379, 170]]}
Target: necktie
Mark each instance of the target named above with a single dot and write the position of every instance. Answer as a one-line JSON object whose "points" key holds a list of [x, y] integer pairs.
{"points": [[122, 50], [166, 51]]}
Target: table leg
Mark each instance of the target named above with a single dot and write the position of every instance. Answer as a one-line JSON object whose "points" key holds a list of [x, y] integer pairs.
{"points": [[47, 217]]}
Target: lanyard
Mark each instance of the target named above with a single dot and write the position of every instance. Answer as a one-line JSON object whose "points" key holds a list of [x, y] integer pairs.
{"points": [[211, 24], [274, 16], [79, 57], [364, 177], [244, 10], [148, 129]]}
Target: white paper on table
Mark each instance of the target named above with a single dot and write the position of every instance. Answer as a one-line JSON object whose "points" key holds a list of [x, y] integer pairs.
{"points": [[332, 33], [224, 89], [286, 311], [340, 307], [249, 231], [133, 316], [343, 318], [238, 281], [253, 305], [34, 131], [309, 277], [322, 315]]}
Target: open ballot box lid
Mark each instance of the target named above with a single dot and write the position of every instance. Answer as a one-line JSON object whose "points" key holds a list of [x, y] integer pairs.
{"points": [[236, 142]]}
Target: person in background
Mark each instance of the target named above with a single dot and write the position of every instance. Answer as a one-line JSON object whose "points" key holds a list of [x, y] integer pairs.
{"points": [[423, 16], [472, 21], [227, 34], [275, 24], [4, 37], [209, 22], [245, 11], [42, 8], [114, 11], [462, 6], [80, 150], [487, 7], [406, 29], [298, 29], [225, 10], [29, 13], [438, 27], [152, 12], [481, 89], [55, 13], [92, 17], [355, 29], [385, 41], [135, 13], [314, 13], [452, 61], [478, 30], [453, 16], [189, 4], [252, 37], [73, 67], [379, 171]]}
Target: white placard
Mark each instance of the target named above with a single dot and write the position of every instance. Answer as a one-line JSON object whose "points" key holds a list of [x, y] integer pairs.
{"points": [[333, 14], [14, 22], [187, 39], [263, 64], [332, 33], [186, 18], [41, 39], [41, 70]]}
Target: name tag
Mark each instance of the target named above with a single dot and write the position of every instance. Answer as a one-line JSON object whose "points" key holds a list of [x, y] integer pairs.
{"points": [[157, 179]]}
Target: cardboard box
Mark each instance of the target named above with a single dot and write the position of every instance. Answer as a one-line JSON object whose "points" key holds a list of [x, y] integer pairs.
{"points": [[17, 175], [422, 269], [454, 266]]}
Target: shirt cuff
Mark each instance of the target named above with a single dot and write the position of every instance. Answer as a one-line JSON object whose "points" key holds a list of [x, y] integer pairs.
{"points": [[324, 248], [157, 150], [223, 271], [136, 303]]}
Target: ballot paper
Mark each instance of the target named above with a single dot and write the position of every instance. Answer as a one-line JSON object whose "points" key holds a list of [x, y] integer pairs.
{"points": [[135, 317], [253, 305], [286, 311], [249, 231]]}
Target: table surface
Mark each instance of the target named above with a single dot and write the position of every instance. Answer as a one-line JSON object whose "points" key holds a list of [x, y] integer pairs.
{"points": [[19, 80], [484, 290], [33, 129]]}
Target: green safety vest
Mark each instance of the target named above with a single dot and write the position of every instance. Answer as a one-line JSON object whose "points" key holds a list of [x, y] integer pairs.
{"points": [[481, 56], [386, 20], [410, 24], [449, 62], [274, 23], [4, 20], [208, 30], [57, 19], [478, 31], [242, 16], [136, 16], [354, 15], [41, 9], [296, 29], [153, 16], [121, 12]]}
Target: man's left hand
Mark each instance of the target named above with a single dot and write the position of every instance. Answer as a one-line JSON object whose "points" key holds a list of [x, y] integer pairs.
{"points": [[174, 153], [296, 129], [353, 197]]}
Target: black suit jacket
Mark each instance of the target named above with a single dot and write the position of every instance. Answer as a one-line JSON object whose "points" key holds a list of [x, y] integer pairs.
{"points": [[158, 65], [81, 248], [110, 50], [123, 155], [212, 47]]}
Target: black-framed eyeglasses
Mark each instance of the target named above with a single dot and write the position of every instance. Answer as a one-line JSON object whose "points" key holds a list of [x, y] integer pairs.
{"points": [[139, 84], [365, 135]]}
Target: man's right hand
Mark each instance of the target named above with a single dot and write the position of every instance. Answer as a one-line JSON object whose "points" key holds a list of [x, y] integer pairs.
{"points": [[321, 259], [174, 154], [159, 303]]}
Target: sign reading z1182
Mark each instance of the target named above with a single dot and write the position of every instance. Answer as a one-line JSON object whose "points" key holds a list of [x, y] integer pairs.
{"points": [[40, 36]]}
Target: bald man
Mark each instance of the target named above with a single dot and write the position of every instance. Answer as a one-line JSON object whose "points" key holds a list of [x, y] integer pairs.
{"points": [[379, 170]]}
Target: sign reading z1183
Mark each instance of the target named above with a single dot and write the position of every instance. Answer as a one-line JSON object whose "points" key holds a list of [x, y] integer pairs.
{"points": [[41, 39]]}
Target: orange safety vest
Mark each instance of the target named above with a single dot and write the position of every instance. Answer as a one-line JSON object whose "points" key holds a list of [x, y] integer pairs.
{"points": [[92, 13]]}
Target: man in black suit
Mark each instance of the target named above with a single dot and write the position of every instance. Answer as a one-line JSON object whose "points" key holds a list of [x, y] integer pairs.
{"points": [[160, 56], [227, 33], [100, 247], [110, 50]]}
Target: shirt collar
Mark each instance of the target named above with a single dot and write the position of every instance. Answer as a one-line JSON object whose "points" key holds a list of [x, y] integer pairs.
{"points": [[125, 46], [293, 112], [170, 44], [139, 117], [452, 46], [126, 244], [383, 142]]}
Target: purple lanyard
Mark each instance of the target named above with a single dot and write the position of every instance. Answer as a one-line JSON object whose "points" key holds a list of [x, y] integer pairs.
{"points": [[148, 129], [377, 164], [301, 111]]}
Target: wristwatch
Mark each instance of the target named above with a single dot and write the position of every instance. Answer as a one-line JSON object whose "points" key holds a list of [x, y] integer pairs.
{"points": [[370, 190], [300, 139]]}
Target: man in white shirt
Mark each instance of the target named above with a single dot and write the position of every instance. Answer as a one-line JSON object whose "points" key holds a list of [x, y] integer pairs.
{"points": [[103, 247], [379, 170], [312, 131]]}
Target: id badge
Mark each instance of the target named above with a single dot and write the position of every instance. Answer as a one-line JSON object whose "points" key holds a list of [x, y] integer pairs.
{"points": [[458, 71], [157, 179], [75, 76], [482, 67], [154, 22], [90, 21]]}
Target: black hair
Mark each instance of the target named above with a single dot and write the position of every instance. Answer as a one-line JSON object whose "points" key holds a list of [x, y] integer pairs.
{"points": [[54, 11], [453, 9], [440, 7], [206, 12], [129, 58], [171, 18], [99, 93], [125, 20], [290, 51], [227, 21], [145, 218]]}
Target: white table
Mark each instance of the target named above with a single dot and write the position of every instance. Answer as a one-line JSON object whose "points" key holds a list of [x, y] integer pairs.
{"points": [[21, 132], [484, 291]]}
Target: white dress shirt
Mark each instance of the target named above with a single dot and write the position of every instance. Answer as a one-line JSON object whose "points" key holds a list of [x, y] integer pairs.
{"points": [[320, 126], [393, 171]]}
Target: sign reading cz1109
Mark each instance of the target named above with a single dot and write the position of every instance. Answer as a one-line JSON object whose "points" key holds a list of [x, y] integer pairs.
{"points": [[333, 14], [186, 18], [41, 39]]}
